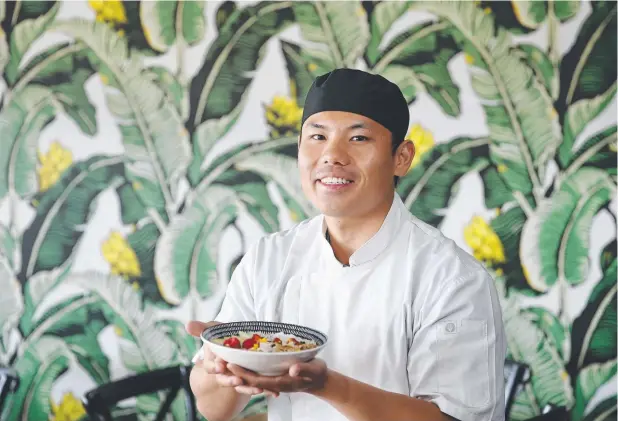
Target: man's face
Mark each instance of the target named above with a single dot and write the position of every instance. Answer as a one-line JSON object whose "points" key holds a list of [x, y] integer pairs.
{"points": [[347, 165]]}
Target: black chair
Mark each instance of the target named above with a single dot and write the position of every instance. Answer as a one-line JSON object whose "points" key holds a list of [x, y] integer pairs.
{"points": [[515, 376], [9, 382], [99, 400]]}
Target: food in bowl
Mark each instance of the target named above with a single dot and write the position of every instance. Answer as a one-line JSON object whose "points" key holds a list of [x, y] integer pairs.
{"points": [[270, 342]]}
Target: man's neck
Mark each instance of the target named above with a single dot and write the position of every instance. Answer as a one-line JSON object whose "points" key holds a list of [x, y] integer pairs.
{"points": [[346, 235]]}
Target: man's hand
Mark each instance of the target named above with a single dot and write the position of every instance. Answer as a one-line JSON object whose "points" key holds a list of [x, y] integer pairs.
{"points": [[301, 377]]}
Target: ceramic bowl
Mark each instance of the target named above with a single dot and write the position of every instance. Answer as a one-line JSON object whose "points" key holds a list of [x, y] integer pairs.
{"points": [[264, 363]]}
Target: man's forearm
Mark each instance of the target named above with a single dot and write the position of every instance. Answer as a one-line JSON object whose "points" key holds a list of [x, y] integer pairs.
{"points": [[359, 401], [217, 403]]}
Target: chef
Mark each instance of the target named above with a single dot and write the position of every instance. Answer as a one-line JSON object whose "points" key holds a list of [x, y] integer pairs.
{"points": [[414, 323]]}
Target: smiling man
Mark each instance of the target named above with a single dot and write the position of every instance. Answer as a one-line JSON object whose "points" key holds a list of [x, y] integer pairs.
{"points": [[414, 323]]}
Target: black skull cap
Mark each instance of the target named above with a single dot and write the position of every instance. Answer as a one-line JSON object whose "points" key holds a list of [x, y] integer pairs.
{"points": [[359, 92]]}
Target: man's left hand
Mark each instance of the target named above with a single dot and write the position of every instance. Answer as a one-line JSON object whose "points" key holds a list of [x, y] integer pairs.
{"points": [[301, 377]]}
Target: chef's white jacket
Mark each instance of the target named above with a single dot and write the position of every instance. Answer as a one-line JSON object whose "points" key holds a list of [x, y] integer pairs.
{"points": [[413, 314]]}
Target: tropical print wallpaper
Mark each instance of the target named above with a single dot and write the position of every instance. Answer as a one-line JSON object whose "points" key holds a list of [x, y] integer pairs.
{"points": [[144, 146]]}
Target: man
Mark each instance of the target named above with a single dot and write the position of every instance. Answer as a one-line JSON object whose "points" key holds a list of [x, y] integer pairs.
{"points": [[414, 323]]}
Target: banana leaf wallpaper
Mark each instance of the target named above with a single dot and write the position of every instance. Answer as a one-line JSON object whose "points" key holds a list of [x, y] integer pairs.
{"points": [[144, 146]]}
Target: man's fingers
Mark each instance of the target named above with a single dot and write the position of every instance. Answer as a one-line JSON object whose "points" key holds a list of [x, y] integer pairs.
{"points": [[248, 390], [195, 328], [228, 381]]}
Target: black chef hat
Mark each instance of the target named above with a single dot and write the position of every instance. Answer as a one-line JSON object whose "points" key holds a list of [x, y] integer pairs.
{"points": [[359, 92]]}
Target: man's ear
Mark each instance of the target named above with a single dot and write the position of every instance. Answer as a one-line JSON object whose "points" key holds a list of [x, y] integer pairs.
{"points": [[403, 157]]}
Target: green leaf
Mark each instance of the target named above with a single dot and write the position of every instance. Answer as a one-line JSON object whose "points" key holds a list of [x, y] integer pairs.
{"points": [[523, 125], [417, 61], [175, 330], [555, 332], [589, 68], [383, 16], [281, 170], [186, 255], [565, 10], [496, 191], [508, 227], [598, 152], [427, 189], [530, 13], [43, 360], [233, 57], [578, 116], [174, 91], [35, 290], [298, 66], [550, 382], [594, 330], [11, 300], [4, 49], [143, 241], [165, 21], [64, 69], [542, 66], [589, 379], [555, 239], [340, 28], [24, 33], [9, 248], [134, 324], [78, 322], [608, 255], [131, 208], [62, 212], [21, 122], [252, 191], [147, 118], [606, 410]]}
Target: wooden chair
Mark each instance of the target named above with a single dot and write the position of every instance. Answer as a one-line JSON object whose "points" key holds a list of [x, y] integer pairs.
{"points": [[100, 401], [9, 382]]}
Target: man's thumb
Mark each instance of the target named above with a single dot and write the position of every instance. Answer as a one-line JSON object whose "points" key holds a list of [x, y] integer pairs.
{"points": [[195, 328]]}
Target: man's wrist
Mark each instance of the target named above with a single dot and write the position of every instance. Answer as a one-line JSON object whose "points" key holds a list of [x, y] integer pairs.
{"points": [[334, 389]]}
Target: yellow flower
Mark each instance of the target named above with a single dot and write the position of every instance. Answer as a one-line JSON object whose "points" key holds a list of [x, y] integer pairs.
{"points": [[69, 409], [121, 257], [484, 242], [284, 115], [423, 142], [52, 165], [111, 11]]}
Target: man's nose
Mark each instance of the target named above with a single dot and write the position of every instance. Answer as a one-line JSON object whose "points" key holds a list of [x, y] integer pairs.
{"points": [[335, 153]]}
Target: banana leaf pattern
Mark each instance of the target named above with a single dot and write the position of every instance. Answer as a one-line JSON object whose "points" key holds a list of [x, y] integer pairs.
{"points": [[145, 144]]}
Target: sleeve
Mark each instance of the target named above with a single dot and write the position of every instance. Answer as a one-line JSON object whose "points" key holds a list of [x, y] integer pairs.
{"points": [[456, 358]]}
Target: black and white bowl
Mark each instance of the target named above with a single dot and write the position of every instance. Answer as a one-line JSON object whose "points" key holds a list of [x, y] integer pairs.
{"points": [[264, 363]]}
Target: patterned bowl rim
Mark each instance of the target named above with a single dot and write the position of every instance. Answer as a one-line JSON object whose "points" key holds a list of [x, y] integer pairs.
{"points": [[304, 332]]}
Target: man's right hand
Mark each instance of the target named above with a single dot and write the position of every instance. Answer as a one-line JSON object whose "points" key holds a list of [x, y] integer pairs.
{"points": [[211, 365]]}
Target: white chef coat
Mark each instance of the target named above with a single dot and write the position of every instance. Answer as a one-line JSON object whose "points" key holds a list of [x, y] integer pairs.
{"points": [[413, 314]]}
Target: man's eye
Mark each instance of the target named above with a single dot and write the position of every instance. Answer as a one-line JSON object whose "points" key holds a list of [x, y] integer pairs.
{"points": [[317, 137], [359, 138]]}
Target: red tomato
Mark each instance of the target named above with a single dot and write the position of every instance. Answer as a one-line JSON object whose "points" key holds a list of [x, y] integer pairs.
{"points": [[232, 342], [248, 343]]}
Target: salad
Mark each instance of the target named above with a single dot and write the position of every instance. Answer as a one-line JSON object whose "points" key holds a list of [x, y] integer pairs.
{"points": [[274, 342]]}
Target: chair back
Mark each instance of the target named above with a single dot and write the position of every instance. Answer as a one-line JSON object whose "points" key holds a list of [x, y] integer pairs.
{"points": [[9, 382], [99, 401], [515, 375]]}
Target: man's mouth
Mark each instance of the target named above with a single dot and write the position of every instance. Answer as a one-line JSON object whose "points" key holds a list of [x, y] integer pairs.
{"points": [[331, 181]]}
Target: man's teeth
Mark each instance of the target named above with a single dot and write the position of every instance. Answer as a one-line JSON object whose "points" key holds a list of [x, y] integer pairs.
{"points": [[335, 180]]}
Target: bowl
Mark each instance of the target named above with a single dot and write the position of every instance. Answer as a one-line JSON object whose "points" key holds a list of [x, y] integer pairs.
{"points": [[263, 363]]}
